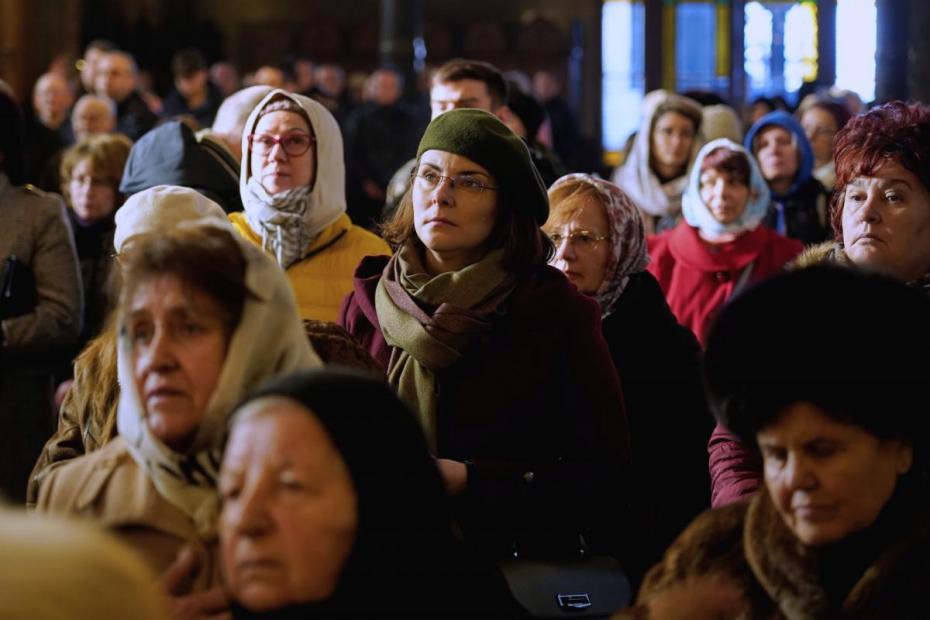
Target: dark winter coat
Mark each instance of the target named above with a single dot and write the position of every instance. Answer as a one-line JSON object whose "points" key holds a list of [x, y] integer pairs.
{"points": [[658, 361], [537, 409]]}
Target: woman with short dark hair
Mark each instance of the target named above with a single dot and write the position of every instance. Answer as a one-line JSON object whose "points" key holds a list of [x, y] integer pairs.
{"points": [[840, 527], [502, 360], [881, 218]]}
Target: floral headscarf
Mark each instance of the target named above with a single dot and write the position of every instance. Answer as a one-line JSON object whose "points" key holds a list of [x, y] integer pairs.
{"points": [[627, 253]]}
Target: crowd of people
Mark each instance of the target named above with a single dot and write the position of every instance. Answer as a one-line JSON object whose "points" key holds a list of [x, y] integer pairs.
{"points": [[306, 355]]}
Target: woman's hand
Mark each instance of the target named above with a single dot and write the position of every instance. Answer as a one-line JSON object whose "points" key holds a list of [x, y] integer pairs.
{"points": [[209, 605], [454, 474]]}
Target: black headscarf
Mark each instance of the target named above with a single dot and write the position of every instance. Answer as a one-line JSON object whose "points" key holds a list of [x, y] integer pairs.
{"points": [[405, 560]]}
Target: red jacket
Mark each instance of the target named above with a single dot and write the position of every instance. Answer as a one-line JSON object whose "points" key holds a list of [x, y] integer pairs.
{"points": [[536, 407], [697, 280]]}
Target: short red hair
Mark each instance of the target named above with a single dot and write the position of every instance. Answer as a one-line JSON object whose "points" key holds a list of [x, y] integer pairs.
{"points": [[896, 131], [728, 161]]}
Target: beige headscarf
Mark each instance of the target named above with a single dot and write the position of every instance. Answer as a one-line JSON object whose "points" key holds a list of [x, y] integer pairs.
{"points": [[268, 340], [654, 198], [59, 569]]}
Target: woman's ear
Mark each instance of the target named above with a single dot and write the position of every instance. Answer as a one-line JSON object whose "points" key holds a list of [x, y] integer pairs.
{"points": [[905, 455]]}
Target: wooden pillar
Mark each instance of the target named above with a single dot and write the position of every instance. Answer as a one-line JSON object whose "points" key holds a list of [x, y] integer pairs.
{"points": [[669, 26], [919, 54], [826, 42], [402, 30], [653, 44], [13, 53], [892, 49]]}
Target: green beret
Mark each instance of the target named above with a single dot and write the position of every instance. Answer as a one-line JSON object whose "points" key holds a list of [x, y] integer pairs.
{"points": [[484, 139]]}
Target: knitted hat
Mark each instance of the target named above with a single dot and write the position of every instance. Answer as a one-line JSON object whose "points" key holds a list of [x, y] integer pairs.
{"points": [[162, 207], [484, 139]]}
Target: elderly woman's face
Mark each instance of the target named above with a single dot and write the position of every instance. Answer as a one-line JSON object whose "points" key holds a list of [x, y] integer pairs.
{"points": [[289, 509], [178, 349], [672, 139], [454, 206], [582, 246], [886, 222], [828, 479], [282, 152], [725, 197]]}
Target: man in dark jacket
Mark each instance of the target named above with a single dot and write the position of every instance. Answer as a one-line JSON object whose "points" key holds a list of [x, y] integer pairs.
{"points": [[172, 155], [799, 201], [379, 137], [117, 78], [193, 94]]}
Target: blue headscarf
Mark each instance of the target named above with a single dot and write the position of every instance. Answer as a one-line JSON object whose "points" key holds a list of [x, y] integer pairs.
{"points": [[782, 119], [699, 216]]}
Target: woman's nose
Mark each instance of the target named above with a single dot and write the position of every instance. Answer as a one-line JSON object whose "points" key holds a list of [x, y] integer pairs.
{"points": [[799, 474], [444, 192], [251, 517], [564, 250]]}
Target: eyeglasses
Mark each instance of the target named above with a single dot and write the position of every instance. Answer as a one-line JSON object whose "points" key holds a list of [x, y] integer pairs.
{"points": [[584, 239], [294, 143], [470, 184]]}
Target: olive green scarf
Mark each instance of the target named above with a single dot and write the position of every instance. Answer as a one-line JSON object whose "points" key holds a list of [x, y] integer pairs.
{"points": [[433, 320]]}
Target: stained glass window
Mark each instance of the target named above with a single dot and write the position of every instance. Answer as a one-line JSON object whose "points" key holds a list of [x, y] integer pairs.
{"points": [[623, 62]]}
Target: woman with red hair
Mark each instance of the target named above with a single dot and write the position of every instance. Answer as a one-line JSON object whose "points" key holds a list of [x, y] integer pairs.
{"points": [[881, 217]]}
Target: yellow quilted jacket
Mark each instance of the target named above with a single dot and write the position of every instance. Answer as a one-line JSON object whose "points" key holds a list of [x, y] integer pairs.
{"points": [[322, 279]]}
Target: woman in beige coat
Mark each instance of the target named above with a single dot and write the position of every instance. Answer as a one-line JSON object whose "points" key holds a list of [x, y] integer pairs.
{"points": [[191, 343]]}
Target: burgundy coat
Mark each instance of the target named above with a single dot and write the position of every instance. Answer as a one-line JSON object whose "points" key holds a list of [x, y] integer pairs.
{"points": [[735, 470], [536, 406]]}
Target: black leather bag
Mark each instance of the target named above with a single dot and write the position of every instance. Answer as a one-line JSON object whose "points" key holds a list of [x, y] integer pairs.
{"points": [[582, 587], [18, 293]]}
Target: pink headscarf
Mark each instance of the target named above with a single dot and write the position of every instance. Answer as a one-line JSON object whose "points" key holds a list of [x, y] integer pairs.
{"points": [[627, 254]]}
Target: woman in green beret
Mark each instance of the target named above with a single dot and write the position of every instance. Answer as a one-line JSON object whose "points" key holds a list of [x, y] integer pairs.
{"points": [[500, 357]]}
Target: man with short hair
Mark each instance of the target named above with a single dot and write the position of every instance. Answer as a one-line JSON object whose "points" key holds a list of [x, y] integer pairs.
{"points": [[786, 159], [459, 83], [193, 94], [90, 62], [93, 115], [117, 78], [46, 130], [51, 99], [379, 136]]}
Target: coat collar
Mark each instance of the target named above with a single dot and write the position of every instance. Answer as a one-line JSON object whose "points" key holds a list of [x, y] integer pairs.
{"points": [[790, 572], [686, 245]]}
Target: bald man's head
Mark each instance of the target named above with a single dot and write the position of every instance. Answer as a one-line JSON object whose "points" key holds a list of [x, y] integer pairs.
{"points": [[93, 115], [51, 99]]}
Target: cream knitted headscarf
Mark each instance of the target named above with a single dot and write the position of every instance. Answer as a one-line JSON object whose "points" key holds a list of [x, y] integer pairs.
{"points": [[268, 340], [289, 221]]}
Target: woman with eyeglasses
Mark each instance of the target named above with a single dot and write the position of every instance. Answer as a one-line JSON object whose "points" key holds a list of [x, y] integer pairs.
{"points": [[502, 360], [720, 247], [292, 184], [601, 247]]}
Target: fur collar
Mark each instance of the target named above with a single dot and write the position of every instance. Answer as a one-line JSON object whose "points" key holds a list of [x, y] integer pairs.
{"points": [[827, 252], [789, 572]]}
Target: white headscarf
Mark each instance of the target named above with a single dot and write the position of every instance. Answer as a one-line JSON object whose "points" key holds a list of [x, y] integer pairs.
{"points": [[699, 216], [636, 177], [268, 340], [289, 221]]}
